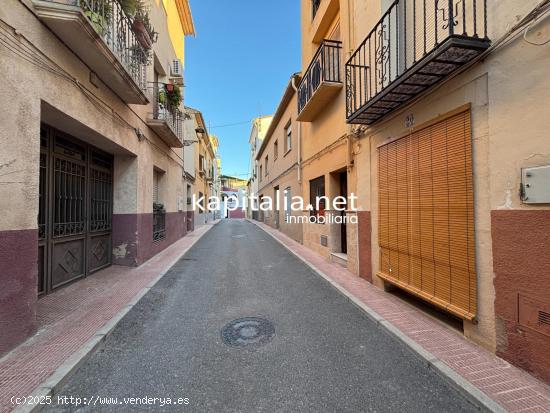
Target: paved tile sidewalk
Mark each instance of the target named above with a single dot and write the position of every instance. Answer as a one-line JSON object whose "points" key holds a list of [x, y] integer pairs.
{"points": [[68, 318], [508, 386]]}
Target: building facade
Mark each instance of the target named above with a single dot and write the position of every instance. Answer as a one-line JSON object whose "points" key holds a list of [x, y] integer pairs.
{"points": [[91, 160], [278, 156], [233, 191], [325, 137], [424, 112], [204, 152], [257, 134]]}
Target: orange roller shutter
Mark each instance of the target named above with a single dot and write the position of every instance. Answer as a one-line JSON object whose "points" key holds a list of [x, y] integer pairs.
{"points": [[426, 215]]}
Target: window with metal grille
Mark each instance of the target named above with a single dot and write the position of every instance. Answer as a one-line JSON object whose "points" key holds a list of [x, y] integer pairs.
{"points": [[159, 222], [275, 149], [426, 215], [159, 213]]}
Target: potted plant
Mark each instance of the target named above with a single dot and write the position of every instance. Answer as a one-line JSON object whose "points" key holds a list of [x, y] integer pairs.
{"points": [[141, 23], [162, 97], [173, 95], [130, 7], [100, 16]]}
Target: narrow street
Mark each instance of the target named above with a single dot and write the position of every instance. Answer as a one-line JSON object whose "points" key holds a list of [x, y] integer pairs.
{"points": [[324, 355]]}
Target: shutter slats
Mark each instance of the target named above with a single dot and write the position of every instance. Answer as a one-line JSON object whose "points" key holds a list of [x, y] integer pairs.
{"points": [[426, 222]]}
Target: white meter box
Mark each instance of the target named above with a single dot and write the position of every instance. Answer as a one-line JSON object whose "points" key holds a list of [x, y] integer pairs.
{"points": [[536, 185]]}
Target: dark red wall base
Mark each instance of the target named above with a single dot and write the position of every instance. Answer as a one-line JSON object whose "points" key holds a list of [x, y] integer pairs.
{"points": [[521, 262], [18, 286], [364, 239], [238, 213], [190, 221], [133, 236]]}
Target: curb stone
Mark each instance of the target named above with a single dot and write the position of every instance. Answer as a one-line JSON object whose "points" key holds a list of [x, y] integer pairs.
{"points": [[456, 381], [63, 373]]}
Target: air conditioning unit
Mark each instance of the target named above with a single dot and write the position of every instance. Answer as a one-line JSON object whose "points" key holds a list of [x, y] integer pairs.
{"points": [[176, 70]]}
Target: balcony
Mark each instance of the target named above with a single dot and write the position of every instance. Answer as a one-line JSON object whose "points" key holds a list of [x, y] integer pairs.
{"points": [[100, 33], [414, 46], [321, 81], [166, 119]]}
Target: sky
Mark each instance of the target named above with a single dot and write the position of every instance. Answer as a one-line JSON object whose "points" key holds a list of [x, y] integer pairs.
{"points": [[237, 66]]}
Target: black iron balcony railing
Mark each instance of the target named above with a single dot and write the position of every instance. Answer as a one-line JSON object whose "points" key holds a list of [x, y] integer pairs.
{"points": [[164, 108], [324, 67], [415, 44], [115, 27]]}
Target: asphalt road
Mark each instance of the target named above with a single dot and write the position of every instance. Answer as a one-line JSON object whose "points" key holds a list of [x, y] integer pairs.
{"points": [[325, 354]]}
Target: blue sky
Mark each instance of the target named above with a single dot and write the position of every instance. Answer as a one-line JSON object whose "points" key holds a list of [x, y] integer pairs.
{"points": [[238, 65]]}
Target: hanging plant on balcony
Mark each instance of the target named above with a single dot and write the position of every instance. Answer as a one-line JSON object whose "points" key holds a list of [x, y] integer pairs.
{"points": [[99, 14], [173, 95], [162, 97], [130, 7], [141, 24]]}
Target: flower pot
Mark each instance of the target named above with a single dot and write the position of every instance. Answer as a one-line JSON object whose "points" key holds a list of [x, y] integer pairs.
{"points": [[142, 35], [169, 87], [138, 24]]}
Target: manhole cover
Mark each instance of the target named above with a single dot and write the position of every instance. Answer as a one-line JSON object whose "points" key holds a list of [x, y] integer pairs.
{"points": [[249, 332]]}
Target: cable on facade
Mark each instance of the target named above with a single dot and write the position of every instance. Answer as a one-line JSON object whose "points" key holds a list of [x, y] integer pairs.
{"points": [[22, 47]]}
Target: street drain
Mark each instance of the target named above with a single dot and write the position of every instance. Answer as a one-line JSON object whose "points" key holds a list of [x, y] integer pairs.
{"points": [[248, 332]]}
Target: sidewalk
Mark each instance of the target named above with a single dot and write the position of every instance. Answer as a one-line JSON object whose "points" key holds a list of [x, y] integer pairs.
{"points": [[74, 320], [479, 374]]}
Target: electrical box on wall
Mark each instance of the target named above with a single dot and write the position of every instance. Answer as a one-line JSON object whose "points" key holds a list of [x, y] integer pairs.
{"points": [[535, 185]]}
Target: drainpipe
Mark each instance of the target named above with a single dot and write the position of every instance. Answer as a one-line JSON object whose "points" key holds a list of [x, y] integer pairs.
{"points": [[299, 136]]}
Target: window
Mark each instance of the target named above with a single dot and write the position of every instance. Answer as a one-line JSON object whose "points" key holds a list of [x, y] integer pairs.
{"points": [[317, 194], [260, 175], [276, 149], [288, 198], [266, 161], [189, 195], [201, 163], [315, 4], [156, 184], [201, 201], [159, 213], [288, 137]]}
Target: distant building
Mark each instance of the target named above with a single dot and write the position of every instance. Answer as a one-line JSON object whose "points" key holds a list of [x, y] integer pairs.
{"points": [[278, 156], [260, 125], [233, 191]]}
